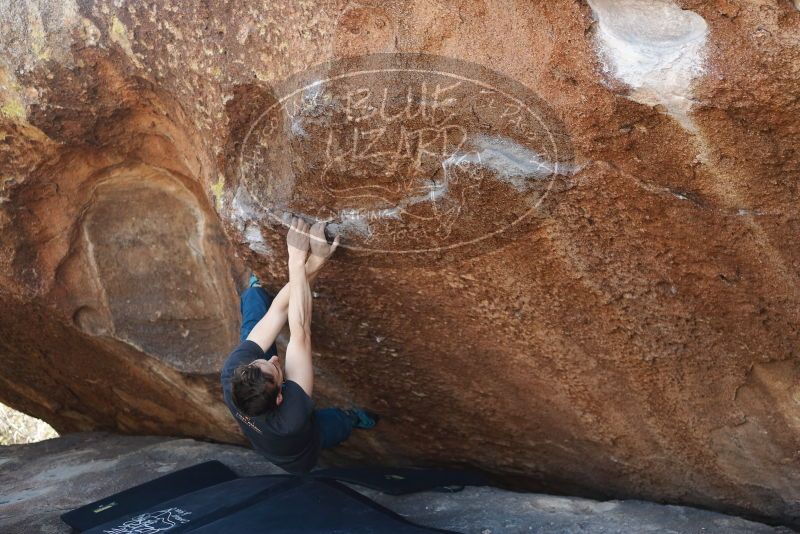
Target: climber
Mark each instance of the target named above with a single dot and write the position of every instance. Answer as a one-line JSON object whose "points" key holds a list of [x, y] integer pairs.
{"points": [[272, 402]]}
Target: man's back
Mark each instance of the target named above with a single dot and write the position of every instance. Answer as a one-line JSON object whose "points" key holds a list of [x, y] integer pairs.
{"points": [[287, 436]]}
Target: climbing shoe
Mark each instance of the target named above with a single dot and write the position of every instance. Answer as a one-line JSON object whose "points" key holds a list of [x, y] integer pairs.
{"points": [[362, 418], [254, 281]]}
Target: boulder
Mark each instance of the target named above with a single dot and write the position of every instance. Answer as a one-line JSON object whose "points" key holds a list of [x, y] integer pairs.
{"points": [[43, 480], [569, 228]]}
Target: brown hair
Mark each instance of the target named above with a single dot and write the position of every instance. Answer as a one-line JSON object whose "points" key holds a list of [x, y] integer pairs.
{"points": [[254, 392]]}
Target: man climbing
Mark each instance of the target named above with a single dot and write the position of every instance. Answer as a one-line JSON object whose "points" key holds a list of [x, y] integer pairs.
{"points": [[272, 402]]}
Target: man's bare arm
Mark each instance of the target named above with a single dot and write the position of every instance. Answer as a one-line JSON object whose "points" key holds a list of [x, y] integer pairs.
{"points": [[266, 331], [298, 353]]}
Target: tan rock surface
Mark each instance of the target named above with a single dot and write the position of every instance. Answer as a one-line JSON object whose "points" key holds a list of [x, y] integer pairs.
{"points": [[602, 298]]}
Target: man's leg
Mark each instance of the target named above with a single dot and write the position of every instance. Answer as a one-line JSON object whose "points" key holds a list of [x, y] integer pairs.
{"points": [[335, 425], [254, 305]]}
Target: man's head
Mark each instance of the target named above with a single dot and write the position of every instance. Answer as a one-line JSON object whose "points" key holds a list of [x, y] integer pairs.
{"points": [[256, 387]]}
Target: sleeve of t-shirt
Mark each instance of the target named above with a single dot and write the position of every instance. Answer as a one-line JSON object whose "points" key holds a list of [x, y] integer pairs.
{"points": [[246, 352], [296, 407]]}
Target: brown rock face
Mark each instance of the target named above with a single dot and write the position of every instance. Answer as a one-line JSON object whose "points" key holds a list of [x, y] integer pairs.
{"points": [[117, 289], [570, 228], [416, 159]]}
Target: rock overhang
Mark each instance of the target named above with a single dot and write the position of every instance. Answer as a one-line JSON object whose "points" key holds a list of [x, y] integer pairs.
{"points": [[647, 314]]}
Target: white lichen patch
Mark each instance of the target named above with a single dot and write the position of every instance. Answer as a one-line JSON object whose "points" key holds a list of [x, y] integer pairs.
{"points": [[36, 31], [91, 33], [655, 47], [12, 100]]}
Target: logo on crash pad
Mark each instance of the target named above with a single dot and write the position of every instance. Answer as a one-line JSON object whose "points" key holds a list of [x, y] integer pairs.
{"points": [[406, 155], [104, 507], [152, 522]]}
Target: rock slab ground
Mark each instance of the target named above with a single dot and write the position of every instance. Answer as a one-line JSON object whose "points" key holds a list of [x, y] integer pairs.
{"points": [[42, 480]]}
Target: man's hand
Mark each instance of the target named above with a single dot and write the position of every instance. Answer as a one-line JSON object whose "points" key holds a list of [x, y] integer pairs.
{"points": [[320, 249], [297, 241]]}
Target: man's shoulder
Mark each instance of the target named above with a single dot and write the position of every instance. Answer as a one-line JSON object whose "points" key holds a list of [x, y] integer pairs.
{"points": [[244, 353], [296, 407], [295, 391]]}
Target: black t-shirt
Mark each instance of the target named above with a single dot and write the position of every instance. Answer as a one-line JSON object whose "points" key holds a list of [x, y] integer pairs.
{"points": [[288, 436]]}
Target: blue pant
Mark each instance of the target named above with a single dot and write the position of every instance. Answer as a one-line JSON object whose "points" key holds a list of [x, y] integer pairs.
{"points": [[334, 424]]}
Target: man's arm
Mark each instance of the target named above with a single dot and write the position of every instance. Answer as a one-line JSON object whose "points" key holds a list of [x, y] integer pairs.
{"points": [[298, 353], [266, 331]]}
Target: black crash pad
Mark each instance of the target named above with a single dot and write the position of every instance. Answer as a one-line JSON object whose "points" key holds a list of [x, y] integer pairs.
{"points": [[148, 494], [210, 498], [403, 480]]}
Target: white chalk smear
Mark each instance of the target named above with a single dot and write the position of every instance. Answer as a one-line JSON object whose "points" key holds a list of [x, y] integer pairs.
{"points": [[246, 214], [356, 221], [655, 47], [511, 162], [431, 191], [255, 240], [244, 209], [297, 127], [313, 101], [351, 222]]}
